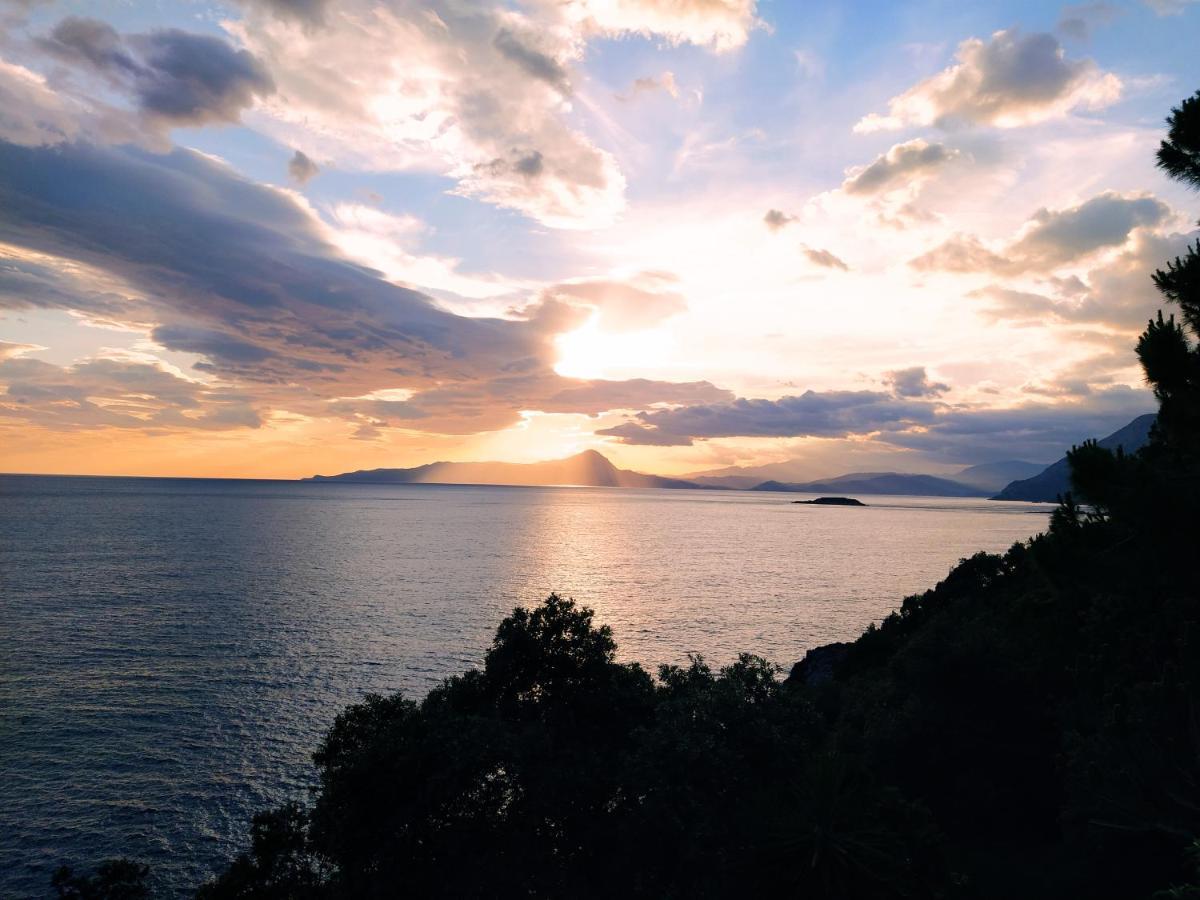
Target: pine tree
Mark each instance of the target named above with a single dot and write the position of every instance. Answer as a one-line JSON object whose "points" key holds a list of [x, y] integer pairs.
{"points": [[1159, 485]]}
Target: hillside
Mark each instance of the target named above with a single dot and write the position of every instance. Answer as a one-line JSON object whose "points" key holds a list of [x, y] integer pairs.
{"points": [[991, 477], [893, 483], [586, 469], [1054, 480], [973, 481]]}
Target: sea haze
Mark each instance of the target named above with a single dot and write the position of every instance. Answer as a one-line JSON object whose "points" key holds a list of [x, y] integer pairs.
{"points": [[172, 650]]}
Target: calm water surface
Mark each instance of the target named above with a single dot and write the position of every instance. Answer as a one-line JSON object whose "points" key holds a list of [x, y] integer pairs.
{"points": [[171, 650]]}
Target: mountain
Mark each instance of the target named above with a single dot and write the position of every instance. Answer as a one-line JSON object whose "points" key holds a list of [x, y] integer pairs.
{"points": [[1046, 486], [973, 481], [589, 469], [991, 477], [879, 483]]}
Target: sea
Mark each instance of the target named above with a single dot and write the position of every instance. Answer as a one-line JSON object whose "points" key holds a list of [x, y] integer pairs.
{"points": [[172, 650]]}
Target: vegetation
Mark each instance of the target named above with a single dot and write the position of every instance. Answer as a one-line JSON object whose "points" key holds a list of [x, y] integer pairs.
{"points": [[1028, 728], [116, 879]]}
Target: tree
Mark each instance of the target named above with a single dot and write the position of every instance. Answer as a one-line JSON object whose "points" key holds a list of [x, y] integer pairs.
{"points": [[115, 879], [1179, 154], [1165, 476]]}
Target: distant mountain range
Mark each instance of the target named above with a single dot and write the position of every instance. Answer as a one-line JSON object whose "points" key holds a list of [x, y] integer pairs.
{"points": [[589, 469], [1047, 485], [878, 483], [1007, 480], [973, 481]]}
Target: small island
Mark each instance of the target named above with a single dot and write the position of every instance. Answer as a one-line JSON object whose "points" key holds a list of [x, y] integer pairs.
{"points": [[832, 501]]}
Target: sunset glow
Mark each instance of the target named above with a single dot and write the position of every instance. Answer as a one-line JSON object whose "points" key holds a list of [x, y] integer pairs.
{"points": [[392, 235]]}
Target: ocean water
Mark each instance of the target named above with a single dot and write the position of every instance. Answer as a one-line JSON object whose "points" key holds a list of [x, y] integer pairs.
{"points": [[172, 650]]}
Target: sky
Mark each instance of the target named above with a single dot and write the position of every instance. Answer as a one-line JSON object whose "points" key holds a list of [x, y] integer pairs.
{"points": [[271, 238]]}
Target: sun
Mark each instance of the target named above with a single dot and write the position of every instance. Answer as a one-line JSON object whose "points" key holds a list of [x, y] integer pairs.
{"points": [[591, 352]]}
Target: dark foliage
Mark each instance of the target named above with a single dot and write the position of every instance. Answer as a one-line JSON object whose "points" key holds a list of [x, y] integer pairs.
{"points": [[1179, 154], [1028, 728], [115, 879]]}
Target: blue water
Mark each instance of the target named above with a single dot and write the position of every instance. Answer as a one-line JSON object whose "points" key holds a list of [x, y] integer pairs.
{"points": [[171, 650]]}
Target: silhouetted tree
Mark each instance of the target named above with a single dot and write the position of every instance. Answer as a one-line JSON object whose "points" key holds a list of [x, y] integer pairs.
{"points": [[1179, 153], [1030, 727], [115, 879], [1158, 488]]}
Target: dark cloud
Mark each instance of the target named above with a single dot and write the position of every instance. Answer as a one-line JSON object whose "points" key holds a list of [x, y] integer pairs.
{"points": [[528, 164], [1035, 431], [520, 50], [776, 219], [301, 169], [310, 12], [1059, 236], [1052, 237], [175, 77], [240, 274], [899, 165], [824, 259], [1012, 79], [1077, 20], [914, 382], [811, 414], [531, 165], [38, 282], [641, 435], [219, 346], [958, 434]]}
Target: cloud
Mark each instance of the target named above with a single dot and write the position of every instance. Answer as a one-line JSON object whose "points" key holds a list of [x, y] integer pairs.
{"points": [[811, 414], [1169, 7], [31, 114], [636, 434], [643, 301], [1011, 80], [115, 393], [30, 280], [721, 24], [1052, 238], [1035, 431], [475, 94], [776, 219], [481, 95], [301, 169], [9, 350], [961, 253], [1117, 294], [486, 405], [900, 164], [1084, 377], [809, 64], [958, 434], [536, 62], [390, 243], [664, 82], [174, 77], [824, 258], [311, 12], [914, 382], [242, 275], [1077, 20]]}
